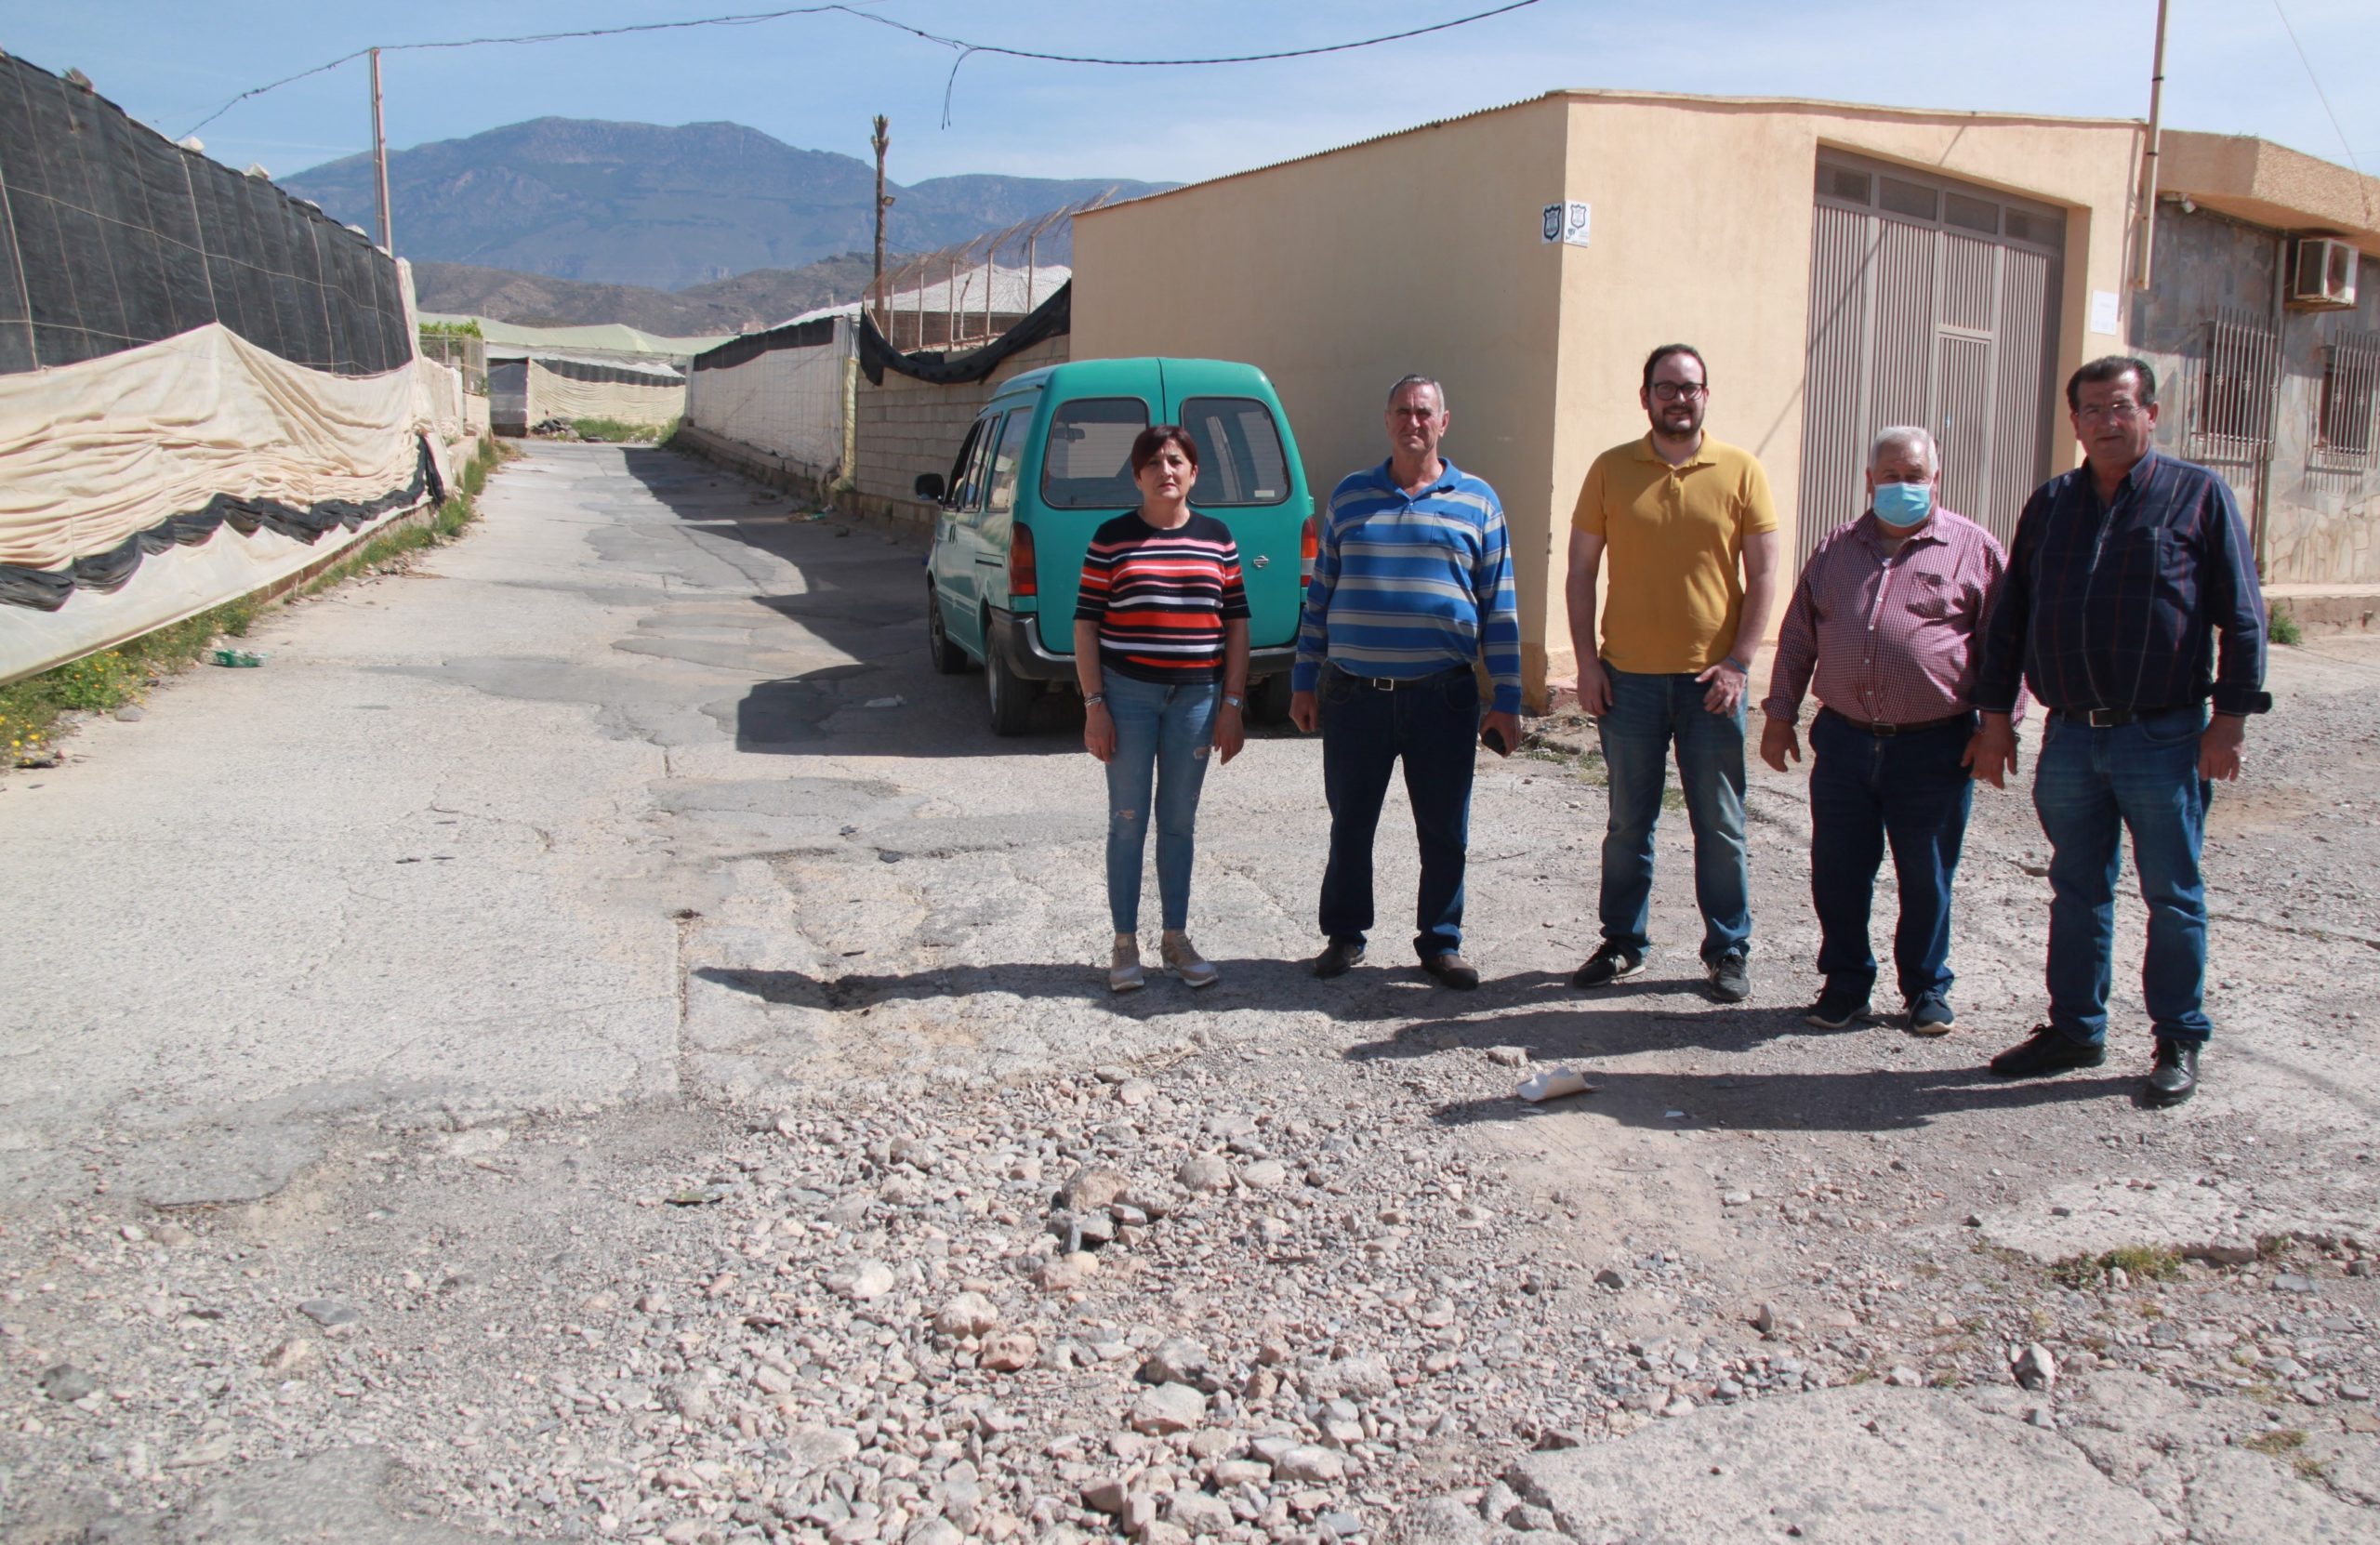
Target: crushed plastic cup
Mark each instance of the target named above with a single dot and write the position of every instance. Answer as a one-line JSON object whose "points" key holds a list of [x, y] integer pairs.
{"points": [[1553, 1084]]}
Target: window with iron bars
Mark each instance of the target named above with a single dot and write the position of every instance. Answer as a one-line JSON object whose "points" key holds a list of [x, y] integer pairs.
{"points": [[2232, 417], [2343, 413]]}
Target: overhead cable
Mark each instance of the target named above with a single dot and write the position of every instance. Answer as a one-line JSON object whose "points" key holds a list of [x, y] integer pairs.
{"points": [[962, 45], [2362, 186]]}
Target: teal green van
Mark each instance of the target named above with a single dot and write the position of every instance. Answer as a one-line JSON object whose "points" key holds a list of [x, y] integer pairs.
{"points": [[1049, 459]]}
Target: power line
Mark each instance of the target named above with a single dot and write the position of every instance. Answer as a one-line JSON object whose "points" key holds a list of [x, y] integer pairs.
{"points": [[966, 48], [2326, 100], [963, 46]]}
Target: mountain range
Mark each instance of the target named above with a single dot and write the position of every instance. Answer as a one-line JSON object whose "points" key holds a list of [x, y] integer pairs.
{"points": [[662, 207], [747, 303]]}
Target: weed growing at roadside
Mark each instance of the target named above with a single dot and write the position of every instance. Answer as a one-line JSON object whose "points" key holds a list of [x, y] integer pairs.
{"points": [[2141, 1263], [2281, 1440], [618, 431], [2284, 629]]}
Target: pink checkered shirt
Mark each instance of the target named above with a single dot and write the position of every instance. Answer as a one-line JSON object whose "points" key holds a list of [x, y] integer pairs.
{"points": [[1890, 640]]}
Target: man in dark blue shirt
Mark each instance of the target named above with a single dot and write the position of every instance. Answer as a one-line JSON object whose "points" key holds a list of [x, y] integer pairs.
{"points": [[2130, 600]]}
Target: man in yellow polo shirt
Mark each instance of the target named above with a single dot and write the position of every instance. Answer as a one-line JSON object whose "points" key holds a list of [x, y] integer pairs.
{"points": [[1691, 532]]}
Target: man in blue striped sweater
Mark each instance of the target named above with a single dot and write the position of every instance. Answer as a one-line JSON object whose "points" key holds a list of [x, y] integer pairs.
{"points": [[1413, 585]]}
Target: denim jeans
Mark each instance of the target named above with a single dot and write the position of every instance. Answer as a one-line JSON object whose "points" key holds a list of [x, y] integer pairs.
{"points": [[1648, 714], [1865, 790], [2091, 785], [1162, 733], [1434, 727]]}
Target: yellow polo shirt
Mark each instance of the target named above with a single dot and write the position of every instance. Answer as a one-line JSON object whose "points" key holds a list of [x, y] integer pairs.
{"points": [[1673, 540]]}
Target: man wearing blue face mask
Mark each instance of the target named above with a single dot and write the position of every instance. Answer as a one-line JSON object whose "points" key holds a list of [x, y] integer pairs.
{"points": [[1885, 619]]}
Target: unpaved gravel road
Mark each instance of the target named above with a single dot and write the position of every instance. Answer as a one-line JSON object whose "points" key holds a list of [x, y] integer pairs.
{"points": [[546, 1056]]}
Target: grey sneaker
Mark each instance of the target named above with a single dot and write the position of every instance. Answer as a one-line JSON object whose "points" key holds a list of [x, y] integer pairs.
{"points": [[1929, 1014], [1124, 965], [1183, 960], [1730, 981]]}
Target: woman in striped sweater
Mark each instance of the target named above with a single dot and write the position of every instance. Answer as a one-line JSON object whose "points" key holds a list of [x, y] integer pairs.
{"points": [[1161, 652]]}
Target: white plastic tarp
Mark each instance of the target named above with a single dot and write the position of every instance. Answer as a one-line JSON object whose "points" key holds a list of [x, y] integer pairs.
{"points": [[93, 453], [650, 400], [789, 400]]}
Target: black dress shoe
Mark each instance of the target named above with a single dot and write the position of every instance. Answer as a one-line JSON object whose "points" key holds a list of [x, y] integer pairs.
{"points": [[2172, 1077], [2049, 1049], [1453, 970], [1339, 958]]}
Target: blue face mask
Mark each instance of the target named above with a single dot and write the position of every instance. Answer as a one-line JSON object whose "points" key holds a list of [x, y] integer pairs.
{"points": [[1903, 504]]}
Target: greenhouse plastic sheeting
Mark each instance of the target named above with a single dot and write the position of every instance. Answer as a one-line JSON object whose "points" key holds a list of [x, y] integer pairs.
{"points": [[557, 389], [94, 452], [789, 400], [1051, 318]]}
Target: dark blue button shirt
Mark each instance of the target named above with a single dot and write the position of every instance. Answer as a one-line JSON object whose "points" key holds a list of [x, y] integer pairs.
{"points": [[2117, 605]]}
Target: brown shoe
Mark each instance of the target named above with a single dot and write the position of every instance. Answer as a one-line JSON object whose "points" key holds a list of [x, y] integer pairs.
{"points": [[1453, 970], [1342, 956]]}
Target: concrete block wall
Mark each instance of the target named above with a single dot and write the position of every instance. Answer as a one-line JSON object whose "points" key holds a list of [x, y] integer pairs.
{"points": [[906, 426]]}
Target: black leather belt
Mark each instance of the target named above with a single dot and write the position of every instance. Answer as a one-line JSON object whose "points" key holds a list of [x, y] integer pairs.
{"points": [[1392, 683], [2111, 718], [1885, 731]]}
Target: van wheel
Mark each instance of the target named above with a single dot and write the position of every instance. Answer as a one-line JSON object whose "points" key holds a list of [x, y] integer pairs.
{"points": [[1268, 701], [1008, 695], [948, 658]]}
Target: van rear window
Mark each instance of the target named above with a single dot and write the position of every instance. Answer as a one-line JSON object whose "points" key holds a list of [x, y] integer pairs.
{"points": [[1240, 460], [1089, 463]]}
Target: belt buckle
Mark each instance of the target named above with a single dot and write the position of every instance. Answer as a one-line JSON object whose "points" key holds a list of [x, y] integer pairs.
{"points": [[2100, 718], [1380, 683]]}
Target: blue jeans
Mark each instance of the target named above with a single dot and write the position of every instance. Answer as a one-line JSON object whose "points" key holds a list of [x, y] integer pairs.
{"points": [[2090, 787], [1433, 726], [1162, 734], [1648, 714], [1913, 791]]}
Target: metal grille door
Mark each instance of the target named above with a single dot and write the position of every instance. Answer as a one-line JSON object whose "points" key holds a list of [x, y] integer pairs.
{"points": [[1930, 303]]}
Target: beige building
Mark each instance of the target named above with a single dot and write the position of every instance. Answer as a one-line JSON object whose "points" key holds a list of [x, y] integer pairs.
{"points": [[1842, 266]]}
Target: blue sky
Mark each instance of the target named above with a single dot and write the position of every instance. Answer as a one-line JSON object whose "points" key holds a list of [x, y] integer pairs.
{"points": [[813, 82]]}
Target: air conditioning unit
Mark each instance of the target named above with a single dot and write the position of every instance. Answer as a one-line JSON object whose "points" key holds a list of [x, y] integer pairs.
{"points": [[2322, 276]]}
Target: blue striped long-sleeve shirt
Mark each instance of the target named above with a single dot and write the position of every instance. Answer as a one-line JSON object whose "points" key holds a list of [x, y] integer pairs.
{"points": [[2147, 602], [1405, 585]]}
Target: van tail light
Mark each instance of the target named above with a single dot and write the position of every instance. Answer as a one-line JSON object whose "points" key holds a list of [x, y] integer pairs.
{"points": [[1021, 580], [1307, 547]]}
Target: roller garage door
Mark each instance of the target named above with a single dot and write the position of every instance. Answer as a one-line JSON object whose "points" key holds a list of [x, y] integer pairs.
{"points": [[1932, 302]]}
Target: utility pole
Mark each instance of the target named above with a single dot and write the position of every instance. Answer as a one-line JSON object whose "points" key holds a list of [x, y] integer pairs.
{"points": [[883, 301], [380, 157], [2146, 236]]}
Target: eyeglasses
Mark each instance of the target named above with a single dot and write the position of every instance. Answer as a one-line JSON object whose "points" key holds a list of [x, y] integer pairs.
{"points": [[2111, 410], [1675, 391]]}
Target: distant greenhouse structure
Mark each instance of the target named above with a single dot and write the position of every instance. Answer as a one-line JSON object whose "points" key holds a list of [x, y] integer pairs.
{"points": [[536, 375]]}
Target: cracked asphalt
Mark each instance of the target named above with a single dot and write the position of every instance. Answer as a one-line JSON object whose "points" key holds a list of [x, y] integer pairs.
{"points": [[640, 811]]}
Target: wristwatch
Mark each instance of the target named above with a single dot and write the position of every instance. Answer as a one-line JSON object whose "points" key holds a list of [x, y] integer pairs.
{"points": [[1234, 702], [1093, 699]]}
